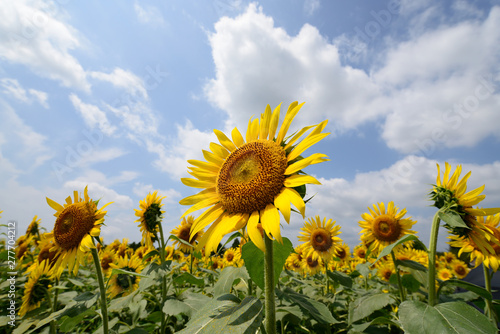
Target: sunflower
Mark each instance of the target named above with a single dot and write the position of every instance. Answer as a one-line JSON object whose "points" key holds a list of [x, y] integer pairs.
{"points": [[343, 252], [33, 227], [150, 215], [382, 228], [252, 179], [311, 265], [107, 256], [460, 268], [444, 274], [232, 257], [77, 222], [359, 252], [36, 288], [481, 250], [123, 283], [450, 193], [45, 253], [123, 250], [294, 260], [385, 270], [320, 238], [182, 232]]}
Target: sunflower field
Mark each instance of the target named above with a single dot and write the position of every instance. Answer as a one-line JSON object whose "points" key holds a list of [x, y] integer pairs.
{"points": [[226, 268]]}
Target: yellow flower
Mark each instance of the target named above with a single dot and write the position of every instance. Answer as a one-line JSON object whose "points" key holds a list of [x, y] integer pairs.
{"points": [[382, 228], [150, 215], [320, 238], [252, 179], [360, 252], [232, 257], [36, 288], [343, 252], [123, 283], [460, 269], [107, 256], [33, 227], [385, 270], [183, 231], [444, 274], [77, 222], [310, 265]]}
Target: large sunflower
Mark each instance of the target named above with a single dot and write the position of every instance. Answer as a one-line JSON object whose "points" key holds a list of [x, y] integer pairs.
{"points": [[245, 180], [320, 238], [383, 227], [77, 222], [182, 232], [150, 215]]}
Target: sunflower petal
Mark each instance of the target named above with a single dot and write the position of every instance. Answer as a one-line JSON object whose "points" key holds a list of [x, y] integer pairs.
{"points": [[303, 163], [54, 205], [202, 195], [298, 180], [197, 183], [204, 165], [293, 109], [273, 126], [305, 144], [237, 137], [253, 130], [270, 220], [206, 218], [265, 120], [254, 232], [201, 204], [224, 141], [282, 202]]}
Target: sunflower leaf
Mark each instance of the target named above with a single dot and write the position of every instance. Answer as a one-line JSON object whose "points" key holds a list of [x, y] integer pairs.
{"points": [[388, 249], [452, 219], [227, 278], [466, 285]]}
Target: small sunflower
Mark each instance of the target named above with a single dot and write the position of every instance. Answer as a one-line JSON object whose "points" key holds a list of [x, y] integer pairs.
{"points": [[382, 228], [360, 252], [311, 265], [45, 253], [123, 250], [460, 268], [252, 179], [385, 271], [183, 231], [320, 238], [123, 283], [444, 274], [150, 215], [107, 256], [77, 222], [36, 288], [33, 227], [343, 252], [232, 257]]}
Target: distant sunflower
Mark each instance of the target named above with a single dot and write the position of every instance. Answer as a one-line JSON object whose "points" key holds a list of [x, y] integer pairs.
{"points": [[385, 271], [360, 252], [150, 215], [77, 222], [382, 228], [107, 256], [311, 265], [123, 283], [36, 288], [444, 274], [182, 231], [33, 227], [232, 257], [320, 238], [343, 252], [45, 253], [460, 268], [247, 180], [294, 260]]}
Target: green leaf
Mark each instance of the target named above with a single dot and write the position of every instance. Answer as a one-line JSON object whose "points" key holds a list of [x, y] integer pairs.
{"points": [[466, 285], [67, 324], [317, 310], [226, 315], [452, 218], [446, 318], [254, 260], [188, 278], [363, 269], [360, 328], [195, 301], [174, 307], [411, 264], [227, 278], [388, 249], [410, 282], [75, 282], [362, 307], [341, 278], [184, 242]]}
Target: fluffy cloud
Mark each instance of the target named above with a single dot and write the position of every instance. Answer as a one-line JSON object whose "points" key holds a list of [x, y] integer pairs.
{"points": [[34, 34], [92, 115], [123, 79], [12, 87]]}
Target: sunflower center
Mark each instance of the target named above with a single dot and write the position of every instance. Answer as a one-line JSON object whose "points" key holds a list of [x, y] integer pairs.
{"points": [[105, 262], [40, 289], [312, 263], [73, 223], [460, 270], [251, 176], [321, 240], [125, 281], [387, 274], [386, 228], [229, 257], [184, 233], [341, 253]]}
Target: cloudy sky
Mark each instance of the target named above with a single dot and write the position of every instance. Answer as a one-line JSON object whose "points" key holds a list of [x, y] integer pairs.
{"points": [[119, 95]]}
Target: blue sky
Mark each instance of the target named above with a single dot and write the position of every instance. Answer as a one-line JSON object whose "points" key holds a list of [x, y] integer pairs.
{"points": [[119, 95]]}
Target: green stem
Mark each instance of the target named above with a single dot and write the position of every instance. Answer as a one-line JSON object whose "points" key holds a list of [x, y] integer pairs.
{"points": [[327, 280], [270, 306], [51, 306], [164, 278], [100, 279], [398, 276], [489, 305], [431, 278]]}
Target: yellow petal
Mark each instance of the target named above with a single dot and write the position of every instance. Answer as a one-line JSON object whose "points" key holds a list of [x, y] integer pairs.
{"points": [[205, 165], [270, 220], [219, 150], [202, 204], [305, 144], [54, 205], [303, 163], [253, 130], [197, 183], [206, 218], [211, 157], [265, 120], [298, 180], [237, 137], [293, 109], [282, 202], [273, 126], [254, 232], [224, 141], [204, 194]]}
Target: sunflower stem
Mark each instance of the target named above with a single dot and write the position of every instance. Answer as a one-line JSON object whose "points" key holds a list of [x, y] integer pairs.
{"points": [[100, 279], [51, 306], [488, 310], [431, 278], [164, 278], [270, 306], [398, 276]]}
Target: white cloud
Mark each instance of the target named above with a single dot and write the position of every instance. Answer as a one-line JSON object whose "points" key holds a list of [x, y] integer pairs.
{"points": [[258, 63], [311, 6], [101, 155], [92, 115], [33, 33], [142, 190], [12, 88], [149, 15], [123, 79]]}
